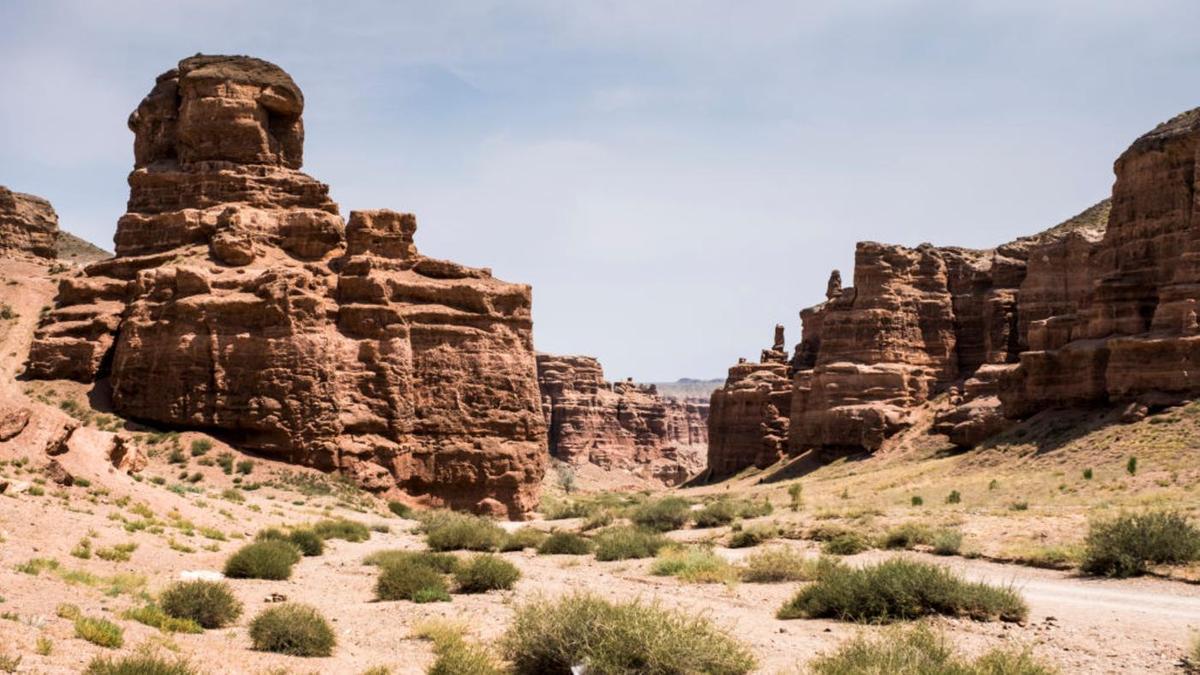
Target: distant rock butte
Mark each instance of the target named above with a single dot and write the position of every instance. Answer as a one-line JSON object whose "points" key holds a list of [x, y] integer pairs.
{"points": [[28, 226], [1099, 310], [619, 425], [240, 302]]}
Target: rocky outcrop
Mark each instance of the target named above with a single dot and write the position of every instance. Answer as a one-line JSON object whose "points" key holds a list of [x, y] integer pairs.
{"points": [[240, 302], [28, 226], [619, 425], [748, 417], [1101, 309]]}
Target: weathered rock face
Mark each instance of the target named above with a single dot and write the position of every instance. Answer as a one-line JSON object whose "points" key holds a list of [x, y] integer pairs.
{"points": [[28, 225], [1101, 309], [240, 302], [1134, 333], [748, 417], [619, 425]]}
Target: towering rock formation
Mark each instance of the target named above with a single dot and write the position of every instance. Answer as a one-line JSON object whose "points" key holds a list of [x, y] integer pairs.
{"points": [[1101, 309], [748, 417], [28, 225], [619, 425], [240, 302]]}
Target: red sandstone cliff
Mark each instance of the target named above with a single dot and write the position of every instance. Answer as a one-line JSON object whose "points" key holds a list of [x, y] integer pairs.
{"points": [[240, 302], [619, 425], [28, 226]]}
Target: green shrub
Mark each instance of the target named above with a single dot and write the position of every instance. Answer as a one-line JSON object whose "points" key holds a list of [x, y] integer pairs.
{"points": [[523, 538], [100, 632], [947, 542], [795, 496], [564, 543], [901, 589], [783, 563], [268, 559], [602, 518], [845, 543], [400, 509], [293, 629], [340, 528], [456, 656], [1131, 466], [486, 572], [553, 636], [920, 651], [664, 515], [307, 541], [1019, 506], [139, 664], [153, 616], [725, 510], [410, 580], [955, 497], [1125, 545], [1088, 474], [201, 446], [455, 531], [628, 542], [553, 509], [907, 536], [752, 536], [446, 563], [694, 565], [917, 500], [211, 604]]}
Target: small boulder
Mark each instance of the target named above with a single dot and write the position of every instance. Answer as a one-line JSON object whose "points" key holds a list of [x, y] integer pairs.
{"points": [[59, 474]]}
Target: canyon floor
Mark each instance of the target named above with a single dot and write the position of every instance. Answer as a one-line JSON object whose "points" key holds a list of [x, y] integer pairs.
{"points": [[1023, 507]]}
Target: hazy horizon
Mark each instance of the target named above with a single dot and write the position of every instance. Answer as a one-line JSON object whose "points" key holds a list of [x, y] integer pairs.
{"points": [[671, 184]]}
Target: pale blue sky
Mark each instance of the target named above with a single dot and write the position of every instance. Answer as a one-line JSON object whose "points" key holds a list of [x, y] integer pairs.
{"points": [[673, 178]]}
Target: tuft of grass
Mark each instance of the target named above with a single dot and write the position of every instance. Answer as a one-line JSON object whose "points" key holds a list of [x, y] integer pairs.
{"points": [[1126, 544], [783, 563], [795, 496], [627, 542], [341, 528], [44, 646], [602, 518], [153, 616], [449, 531], [1131, 466], [920, 651], [1088, 474], [725, 510], [445, 563], [308, 541], [142, 663], [845, 543], [947, 542], [664, 515], [99, 631], [117, 552], [268, 559], [565, 543], [752, 536], [694, 564], [211, 604], [955, 497], [553, 636], [200, 446], [293, 629], [486, 572], [1019, 506], [519, 540], [410, 580], [455, 656], [917, 500], [400, 509], [907, 536], [901, 589]]}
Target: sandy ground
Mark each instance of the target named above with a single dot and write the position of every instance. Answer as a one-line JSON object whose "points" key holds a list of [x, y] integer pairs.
{"points": [[1081, 625]]}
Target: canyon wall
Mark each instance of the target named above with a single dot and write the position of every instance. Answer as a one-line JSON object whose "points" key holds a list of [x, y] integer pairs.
{"points": [[240, 302], [1098, 310], [28, 226], [619, 425]]}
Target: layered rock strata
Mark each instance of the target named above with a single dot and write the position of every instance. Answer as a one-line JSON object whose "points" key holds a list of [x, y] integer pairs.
{"points": [[1099, 310], [748, 417], [241, 302], [619, 425], [28, 226]]}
